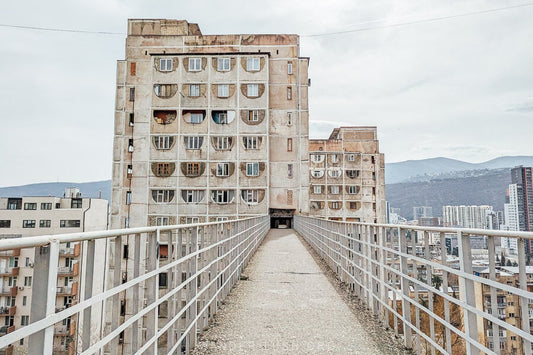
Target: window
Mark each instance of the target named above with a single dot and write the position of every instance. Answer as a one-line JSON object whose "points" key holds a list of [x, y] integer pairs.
{"points": [[24, 300], [252, 90], [195, 64], [353, 205], [130, 145], [165, 116], [163, 169], [222, 143], [352, 174], [250, 142], [46, 206], [28, 223], [289, 68], [289, 144], [253, 116], [5, 223], [222, 169], [352, 190], [317, 205], [14, 203], [250, 196], [163, 281], [222, 219], [193, 169], [133, 68], [162, 221], [335, 205], [194, 90], [334, 158], [317, 158], [163, 142], [30, 206], [222, 196], [317, 189], [252, 169], [162, 196], [76, 203], [128, 198], [165, 91], [24, 320], [27, 281], [45, 223], [192, 220], [14, 262], [289, 93], [132, 94], [334, 190], [12, 282], [223, 64], [351, 157], [69, 223], [129, 171], [289, 118], [193, 142], [197, 118], [165, 64], [289, 170], [317, 174], [223, 90], [192, 196], [132, 119], [221, 117], [253, 64]]}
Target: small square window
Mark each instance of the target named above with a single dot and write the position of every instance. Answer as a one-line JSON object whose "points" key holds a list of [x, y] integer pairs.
{"points": [[252, 90], [253, 64], [223, 90], [195, 64], [223, 64], [194, 90], [289, 68], [165, 64], [252, 169], [253, 116]]}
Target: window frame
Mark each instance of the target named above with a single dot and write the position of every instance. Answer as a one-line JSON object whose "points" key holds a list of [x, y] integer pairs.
{"points": [[251, 142], [30, 206], [250, 196], [195, 64], [194, 90], [194, 118], [223, 90], [193, 142], [222, 169], [224, 64], [45, 223], [252, 169], [168, 66], [253, 64], [252, 90], [317, 189], [253, 115], [28, 223], [163, 142], [223, 143]]}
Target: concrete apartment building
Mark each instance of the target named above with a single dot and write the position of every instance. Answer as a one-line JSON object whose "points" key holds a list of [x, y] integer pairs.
{"points": [[347, 176], [467, 216], [34, 216]]}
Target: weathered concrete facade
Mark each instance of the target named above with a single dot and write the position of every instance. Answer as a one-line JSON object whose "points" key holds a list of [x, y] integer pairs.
{"points": [[208, 127], [36, 216], [347, 176]]}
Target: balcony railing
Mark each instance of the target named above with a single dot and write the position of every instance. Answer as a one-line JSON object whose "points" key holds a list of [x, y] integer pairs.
{"points": [[376, 262], [208, 256]]}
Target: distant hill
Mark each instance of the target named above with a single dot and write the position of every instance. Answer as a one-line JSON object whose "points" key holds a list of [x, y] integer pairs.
{"points": [[485, 189], [88, 189], [426, 169]]}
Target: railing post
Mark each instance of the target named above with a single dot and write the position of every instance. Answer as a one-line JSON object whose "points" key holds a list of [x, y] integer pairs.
{"points": [[45, 283], [88, 293], [406, 310], [467, 291], [444, 261], [152, 286], [522, 279]]}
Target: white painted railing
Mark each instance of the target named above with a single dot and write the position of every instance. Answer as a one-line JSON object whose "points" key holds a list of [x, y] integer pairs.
{"points": [[158, 295], [399, 283]]}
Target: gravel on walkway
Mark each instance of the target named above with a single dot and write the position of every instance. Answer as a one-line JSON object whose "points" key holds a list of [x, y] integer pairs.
{"points": [[287, 305]]}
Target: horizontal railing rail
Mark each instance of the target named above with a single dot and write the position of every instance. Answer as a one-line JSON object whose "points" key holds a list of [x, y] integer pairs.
{"points": [[437, 304], [151, 291]]}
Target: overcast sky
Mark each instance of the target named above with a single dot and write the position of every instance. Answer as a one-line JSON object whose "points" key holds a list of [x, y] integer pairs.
{"points": [[460, 87]]}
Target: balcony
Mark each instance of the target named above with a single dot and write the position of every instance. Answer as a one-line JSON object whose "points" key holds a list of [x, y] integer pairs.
{"points": [[70, 252], [8, 311], [68, 270], [9, 291], [67, 290], [10, 253], [65, 330], [6, 329], [10, 271]]}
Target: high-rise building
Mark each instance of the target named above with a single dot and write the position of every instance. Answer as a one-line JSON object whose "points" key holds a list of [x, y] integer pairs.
{"points": [[34, 216], [347, 180], [208, 127], [522, 177], [422, 211], [467, 216], [511, 217]]}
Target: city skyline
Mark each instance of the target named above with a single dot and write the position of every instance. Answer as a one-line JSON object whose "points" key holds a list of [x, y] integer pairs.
{"points": [[472, 67]]}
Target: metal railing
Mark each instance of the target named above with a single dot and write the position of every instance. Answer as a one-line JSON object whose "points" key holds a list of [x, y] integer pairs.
{"points": [[162, 286], [414, 293]]}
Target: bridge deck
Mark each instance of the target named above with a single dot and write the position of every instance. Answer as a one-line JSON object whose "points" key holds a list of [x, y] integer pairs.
{"points": [[287, 305]]}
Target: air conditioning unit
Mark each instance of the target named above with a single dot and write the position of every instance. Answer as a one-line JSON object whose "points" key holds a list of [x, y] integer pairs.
{"points": [[21, 288]]}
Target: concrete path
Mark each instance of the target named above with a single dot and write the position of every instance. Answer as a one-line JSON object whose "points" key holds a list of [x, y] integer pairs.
{"points": [[288, 306]]}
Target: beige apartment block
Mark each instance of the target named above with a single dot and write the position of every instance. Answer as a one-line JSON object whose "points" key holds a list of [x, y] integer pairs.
{"points": [[208, 127], [347, 176], [34, 216]]}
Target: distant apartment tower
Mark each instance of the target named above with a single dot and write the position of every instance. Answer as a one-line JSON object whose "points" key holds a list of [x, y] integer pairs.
{"points": [[208, 127], [467, 216], [522, 177], [33, 216], [422, 211], [346, 175], [511, 217]]}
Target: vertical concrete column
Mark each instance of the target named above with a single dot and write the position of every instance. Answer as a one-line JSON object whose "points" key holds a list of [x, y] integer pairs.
{"points": [[406, 310], [152, 288], [467, 291], [443, 259], [88, 293], [45, 283], [522, 279]]}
